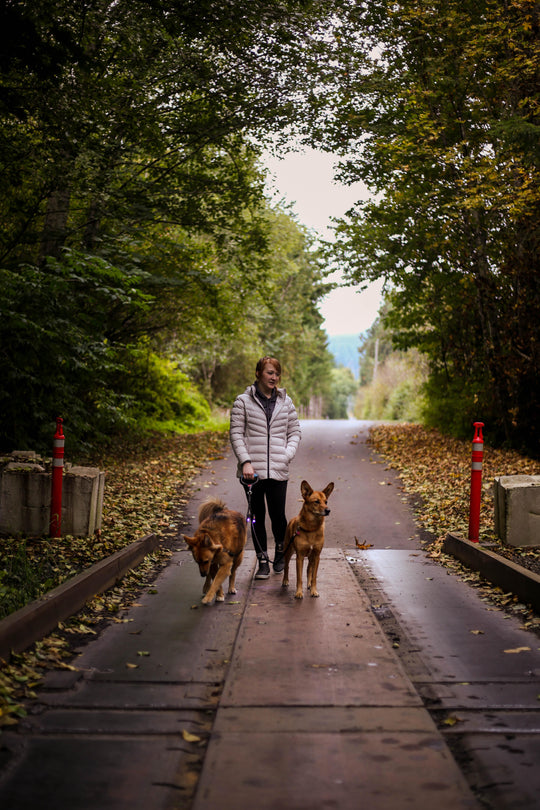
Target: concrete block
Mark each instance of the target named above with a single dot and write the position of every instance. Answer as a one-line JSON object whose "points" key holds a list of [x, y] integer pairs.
{"points": [[25, 500], [82, 501], [517, 509]]}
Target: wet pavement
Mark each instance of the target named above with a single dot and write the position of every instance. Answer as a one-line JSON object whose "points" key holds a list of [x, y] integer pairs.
{"points": [[265, 700], [475, 667]]}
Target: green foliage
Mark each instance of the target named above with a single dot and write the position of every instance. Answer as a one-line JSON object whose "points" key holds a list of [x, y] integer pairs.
{"points": [[434, 105], [20, 580], [397, 392], [163, 397], [142, 271], [56, 355], [279, 317], [375, 346], [343, 387]]}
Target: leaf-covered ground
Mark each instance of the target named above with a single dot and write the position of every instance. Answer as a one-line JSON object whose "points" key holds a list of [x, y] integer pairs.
{"points": [[148, 485], [436, 473]]}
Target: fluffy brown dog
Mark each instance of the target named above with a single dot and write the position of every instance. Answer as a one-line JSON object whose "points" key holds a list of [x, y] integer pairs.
{"points": [[218, 547], [305, 535]]}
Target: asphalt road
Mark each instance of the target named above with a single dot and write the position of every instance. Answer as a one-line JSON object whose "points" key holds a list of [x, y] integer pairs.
{"points": [[456, 648], [396, 656]]}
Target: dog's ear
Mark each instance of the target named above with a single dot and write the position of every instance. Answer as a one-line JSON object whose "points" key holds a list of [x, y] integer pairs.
{"points": [[305, 489], [209, 543], [191, 541], [329, 488]]}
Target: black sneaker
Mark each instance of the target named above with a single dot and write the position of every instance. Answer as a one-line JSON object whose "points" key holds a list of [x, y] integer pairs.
{"points": [[279, 560], [263, 571]]}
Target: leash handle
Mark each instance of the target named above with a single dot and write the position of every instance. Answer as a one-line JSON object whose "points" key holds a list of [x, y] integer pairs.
{"points": [[249, 484]]}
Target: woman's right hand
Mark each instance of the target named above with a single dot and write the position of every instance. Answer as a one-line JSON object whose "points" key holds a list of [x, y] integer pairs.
{"points": [[247, 471]]}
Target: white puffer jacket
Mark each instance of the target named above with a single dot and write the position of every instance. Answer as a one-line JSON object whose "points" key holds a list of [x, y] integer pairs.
{"points": [[270, 448]]}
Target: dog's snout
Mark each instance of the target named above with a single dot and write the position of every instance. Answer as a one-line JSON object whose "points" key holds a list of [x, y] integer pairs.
{"points": [[327, 511]]}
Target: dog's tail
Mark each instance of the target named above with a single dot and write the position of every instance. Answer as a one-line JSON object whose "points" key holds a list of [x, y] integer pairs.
{"points": [[210, 507]]}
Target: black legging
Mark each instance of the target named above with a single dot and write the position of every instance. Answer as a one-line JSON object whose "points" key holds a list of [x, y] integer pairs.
{"points": [[275, 493]]}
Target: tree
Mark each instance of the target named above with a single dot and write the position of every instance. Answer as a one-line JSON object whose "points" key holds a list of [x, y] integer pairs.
{"points": [[340, 400], [279, 316], [435, 106], [132, 211]]}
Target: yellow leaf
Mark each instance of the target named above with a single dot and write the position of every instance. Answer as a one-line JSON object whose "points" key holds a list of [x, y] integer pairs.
{"points": [[8, 721], [518, 650], [132, 666], [190, 737], [451, 720], [477, 632]]}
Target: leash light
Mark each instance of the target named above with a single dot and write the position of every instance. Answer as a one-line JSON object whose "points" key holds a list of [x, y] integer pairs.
{"points": [[248, 485], [250, 518]]}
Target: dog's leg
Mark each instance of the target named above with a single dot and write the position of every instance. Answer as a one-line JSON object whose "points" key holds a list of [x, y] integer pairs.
{"points": [[207, 583], [314, 565], [216, 587], [232, 578], [309, 572], [299, 566], [289, 548]]}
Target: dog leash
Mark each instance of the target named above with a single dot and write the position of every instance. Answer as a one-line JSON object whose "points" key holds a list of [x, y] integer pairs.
{"points": [[298, 530], [248, 485]]}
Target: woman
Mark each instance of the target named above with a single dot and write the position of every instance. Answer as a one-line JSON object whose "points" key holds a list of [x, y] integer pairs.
{"points": [[265, 434]]}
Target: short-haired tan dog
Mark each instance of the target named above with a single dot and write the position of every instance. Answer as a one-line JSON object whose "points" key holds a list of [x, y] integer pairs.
{"points": [[218, 547], [305, 535]]}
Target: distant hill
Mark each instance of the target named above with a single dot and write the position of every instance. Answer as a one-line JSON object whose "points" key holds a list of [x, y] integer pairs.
{"points": [[345, 351]]}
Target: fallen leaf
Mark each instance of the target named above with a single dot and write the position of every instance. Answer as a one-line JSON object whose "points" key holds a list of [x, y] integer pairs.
{"points": [[132, 666], [362, 545], [477, 632], [188, 737], [518, 650], [451, 720]]}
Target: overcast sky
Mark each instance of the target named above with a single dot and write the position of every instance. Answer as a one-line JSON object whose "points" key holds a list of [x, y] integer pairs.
{"points": [[306, 180]]}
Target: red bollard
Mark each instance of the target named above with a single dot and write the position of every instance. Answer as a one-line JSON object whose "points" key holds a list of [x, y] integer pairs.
{"points": [[476, 482], [57, 480]]}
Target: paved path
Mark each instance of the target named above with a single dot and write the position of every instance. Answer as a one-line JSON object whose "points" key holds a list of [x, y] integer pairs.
{"points": [[261, 702]]}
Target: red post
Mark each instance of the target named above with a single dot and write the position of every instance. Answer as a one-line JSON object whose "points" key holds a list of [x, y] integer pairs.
{"points": [[57, 480], [476, 482]]}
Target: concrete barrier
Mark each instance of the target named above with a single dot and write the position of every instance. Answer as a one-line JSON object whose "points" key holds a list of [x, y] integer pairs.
{"points": [[496, 569], [25, 497], [22, 628], [517, 509]]}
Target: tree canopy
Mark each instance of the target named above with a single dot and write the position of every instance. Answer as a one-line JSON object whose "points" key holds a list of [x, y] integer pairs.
{"points": [[435, 106], [142, 268], [138, 253]]}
